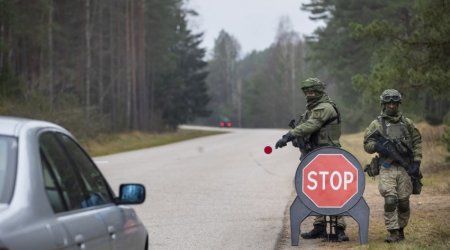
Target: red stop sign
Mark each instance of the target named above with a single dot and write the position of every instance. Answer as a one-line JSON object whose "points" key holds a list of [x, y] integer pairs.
{"points": [[330, 180]]}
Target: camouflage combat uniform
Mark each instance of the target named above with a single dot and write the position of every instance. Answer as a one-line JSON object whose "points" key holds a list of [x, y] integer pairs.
{"points": [[311, 124], [319, 126], [394, 182]]}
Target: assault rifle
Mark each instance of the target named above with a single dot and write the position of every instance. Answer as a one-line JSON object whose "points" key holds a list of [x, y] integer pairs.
{"points": [[392, 148], [301, 142]]}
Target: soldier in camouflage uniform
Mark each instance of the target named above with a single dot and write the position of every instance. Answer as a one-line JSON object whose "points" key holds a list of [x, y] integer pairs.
{"points": [[319, 126], [395, 180]]}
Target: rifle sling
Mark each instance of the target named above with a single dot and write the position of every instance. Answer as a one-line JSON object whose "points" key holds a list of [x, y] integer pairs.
{"points": [[337, 117]]}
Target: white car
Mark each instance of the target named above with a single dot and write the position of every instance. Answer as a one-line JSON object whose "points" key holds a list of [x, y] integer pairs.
{"points": [[53, 196]]}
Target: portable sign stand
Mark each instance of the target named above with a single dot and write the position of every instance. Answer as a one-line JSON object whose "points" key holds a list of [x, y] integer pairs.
{"points": [[329, 181]]}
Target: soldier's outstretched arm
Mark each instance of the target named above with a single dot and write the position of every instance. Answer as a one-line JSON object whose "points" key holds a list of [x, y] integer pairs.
{"points": [[284, 140]]}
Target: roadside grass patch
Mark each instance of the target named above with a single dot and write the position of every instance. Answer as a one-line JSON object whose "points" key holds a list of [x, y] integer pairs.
{"points": [[105, 144], [438, 181], [429, 225], [427, 229]]}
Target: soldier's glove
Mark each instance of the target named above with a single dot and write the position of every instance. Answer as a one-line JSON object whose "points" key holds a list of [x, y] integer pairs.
{"points": [[284, 140], [382, 150], [414, 169]]}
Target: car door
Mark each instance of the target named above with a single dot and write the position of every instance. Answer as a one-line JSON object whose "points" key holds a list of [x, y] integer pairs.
{"points": [[100, 195], [69, 197]]}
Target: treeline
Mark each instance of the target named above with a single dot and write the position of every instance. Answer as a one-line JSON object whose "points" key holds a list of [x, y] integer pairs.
{"points": [[365, 47], [103, 65], [116, 65], [261, 89], [368, 46]]}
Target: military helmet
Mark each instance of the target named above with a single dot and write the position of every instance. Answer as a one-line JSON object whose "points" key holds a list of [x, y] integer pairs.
{"points": [[314, 84], [390, 95]]}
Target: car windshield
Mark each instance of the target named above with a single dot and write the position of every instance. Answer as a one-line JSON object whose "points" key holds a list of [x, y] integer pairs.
{"points": [[8, 158]]}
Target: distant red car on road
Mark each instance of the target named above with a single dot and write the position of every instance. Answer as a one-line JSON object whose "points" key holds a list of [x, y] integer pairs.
{"points": [[225, 124]]}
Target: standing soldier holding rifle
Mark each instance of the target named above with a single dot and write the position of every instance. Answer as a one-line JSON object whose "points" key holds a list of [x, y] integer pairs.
{"points": [[319, 126], [399, 146]]}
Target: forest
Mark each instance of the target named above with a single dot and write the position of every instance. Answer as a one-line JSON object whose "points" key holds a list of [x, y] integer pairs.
{"points": [[366, 47], [101, 66], [116, 65]]}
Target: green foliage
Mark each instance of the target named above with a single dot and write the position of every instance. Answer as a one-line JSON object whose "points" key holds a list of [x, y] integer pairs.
{"points": [[259, 89], [223, 78], [416, 56], [380, 29], [183, 92], [67, 111], [10, 86], [446, 138], [335, 54], [368, 46], [271, 93], [133, 63]]}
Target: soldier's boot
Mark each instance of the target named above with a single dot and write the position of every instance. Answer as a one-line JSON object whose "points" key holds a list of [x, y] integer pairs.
{"points": [[394, 236], [340, 233], [401, 233], [319, 231]]}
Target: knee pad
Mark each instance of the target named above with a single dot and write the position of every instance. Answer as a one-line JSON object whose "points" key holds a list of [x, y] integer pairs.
{"points": [[390, 203], [403, 205]]}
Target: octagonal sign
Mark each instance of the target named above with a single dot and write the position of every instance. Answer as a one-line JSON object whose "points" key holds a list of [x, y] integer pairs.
{"points": [[330, 180]]}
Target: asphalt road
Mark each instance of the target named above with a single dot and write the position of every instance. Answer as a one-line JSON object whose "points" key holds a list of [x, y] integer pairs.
{"points": [[215, 192]]}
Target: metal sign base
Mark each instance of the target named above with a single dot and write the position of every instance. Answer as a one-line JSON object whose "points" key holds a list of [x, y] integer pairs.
{"points": [[359, 212], [331, 221]]}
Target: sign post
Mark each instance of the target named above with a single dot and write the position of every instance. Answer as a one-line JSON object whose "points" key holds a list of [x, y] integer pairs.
{"points": [[329, 181]]}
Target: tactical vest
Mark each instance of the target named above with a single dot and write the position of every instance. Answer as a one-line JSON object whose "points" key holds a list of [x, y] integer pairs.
{"points": [[329, 133], [398, 132]]}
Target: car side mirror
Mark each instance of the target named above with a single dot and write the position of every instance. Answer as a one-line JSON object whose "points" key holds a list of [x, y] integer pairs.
{"points": [[131, 193]]}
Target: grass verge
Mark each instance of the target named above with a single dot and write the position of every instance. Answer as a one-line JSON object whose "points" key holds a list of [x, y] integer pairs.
{"points": [[105, 144], [429, 224]]}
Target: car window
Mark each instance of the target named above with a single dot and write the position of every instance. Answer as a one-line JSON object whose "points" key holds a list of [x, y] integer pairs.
{"points": [[8, 158], [61, 181], [54, 191], [98, 190]]}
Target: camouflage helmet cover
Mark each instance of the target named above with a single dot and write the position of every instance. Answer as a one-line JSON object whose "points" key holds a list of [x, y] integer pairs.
{"points": [[312, 83], [390, 95]]}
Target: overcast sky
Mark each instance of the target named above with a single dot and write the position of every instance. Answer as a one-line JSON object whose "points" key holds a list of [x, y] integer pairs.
{"points": [[252, 22]]}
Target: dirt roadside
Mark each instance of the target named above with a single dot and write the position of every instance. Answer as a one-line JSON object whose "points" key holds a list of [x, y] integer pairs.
{"points": [[429, 224], [427, 203]]}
